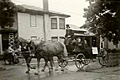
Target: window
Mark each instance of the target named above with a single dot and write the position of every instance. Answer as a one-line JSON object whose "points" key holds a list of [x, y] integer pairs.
{"points": [[33, 20], [53, 23], [33, 37], [54, 38], [61, 39], [61, 23]]}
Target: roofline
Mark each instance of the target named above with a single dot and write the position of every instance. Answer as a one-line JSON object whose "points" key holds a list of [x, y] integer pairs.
{"points": [[40, 12], [59, 14]]}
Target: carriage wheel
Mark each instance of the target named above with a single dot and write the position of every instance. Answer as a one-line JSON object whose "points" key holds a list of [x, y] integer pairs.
{"points": [[7, 61], [103, 58], [79, 61], [63, 63]]}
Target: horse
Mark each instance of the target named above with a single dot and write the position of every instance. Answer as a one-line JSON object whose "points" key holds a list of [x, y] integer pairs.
{"points": [[26, 51], [47, 50]]}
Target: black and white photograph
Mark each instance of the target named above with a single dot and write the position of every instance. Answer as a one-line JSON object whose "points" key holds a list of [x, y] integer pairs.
{"points": [[59, 40]]}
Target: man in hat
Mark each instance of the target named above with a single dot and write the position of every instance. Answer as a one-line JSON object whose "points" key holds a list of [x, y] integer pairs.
{"points": [[69, 32]]}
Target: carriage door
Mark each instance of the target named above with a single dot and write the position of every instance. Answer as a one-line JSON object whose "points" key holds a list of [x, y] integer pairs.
{"points": [[5, 40]]}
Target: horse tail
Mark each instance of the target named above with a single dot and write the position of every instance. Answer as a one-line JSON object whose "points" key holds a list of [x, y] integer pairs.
{"points": [[65, 53]]}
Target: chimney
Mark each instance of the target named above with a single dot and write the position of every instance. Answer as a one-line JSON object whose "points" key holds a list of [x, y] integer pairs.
{"points": [[45, 5]]}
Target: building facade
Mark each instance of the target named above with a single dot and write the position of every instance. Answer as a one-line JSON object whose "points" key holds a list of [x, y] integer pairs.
{"points": [[33, 23], [39, 24]]}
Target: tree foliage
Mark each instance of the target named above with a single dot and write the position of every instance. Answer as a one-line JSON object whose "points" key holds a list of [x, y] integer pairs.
{"points": [[7, 12], [103, 16]]}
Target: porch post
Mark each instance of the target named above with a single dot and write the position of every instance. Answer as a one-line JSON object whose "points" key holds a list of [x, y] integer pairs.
{"points": [[0, 44]]}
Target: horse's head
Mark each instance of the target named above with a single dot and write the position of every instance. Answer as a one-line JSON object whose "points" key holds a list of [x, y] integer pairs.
{"points": [[20, 41]]}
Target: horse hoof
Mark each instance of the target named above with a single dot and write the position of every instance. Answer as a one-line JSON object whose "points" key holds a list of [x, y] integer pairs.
{"points": [[62, 69], [42, 70], [50, 73], [56, 69], [33, 67], [27, 72], [50, 70], [36, 73]]}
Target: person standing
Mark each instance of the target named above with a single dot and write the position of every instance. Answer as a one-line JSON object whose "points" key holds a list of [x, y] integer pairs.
{"points": [[11, 53]]}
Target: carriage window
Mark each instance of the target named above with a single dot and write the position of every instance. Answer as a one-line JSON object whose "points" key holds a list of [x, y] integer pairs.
{"points": [[54, 38], [87, 39], [33, 20], [61, 23], [53, 23], [94, 44]]}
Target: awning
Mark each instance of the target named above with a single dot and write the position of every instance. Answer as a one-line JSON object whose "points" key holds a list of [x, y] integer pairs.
{"points": [[8, 30]]}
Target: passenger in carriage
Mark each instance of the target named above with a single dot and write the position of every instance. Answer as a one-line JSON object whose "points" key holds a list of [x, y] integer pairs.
{"points": [[78, 45]]}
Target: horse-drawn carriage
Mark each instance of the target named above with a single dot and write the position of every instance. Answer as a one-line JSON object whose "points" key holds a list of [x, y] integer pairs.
{"points": [[48, 49], [79, 49]]}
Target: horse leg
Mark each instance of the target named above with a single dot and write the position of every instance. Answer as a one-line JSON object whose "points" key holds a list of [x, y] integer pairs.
{"points": [[28, 59], [60, 59], [56, 65], [51, 64], [46, 64], [38, 65]]}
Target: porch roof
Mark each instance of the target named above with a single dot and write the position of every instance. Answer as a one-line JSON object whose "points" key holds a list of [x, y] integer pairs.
{"points": [[8, 30]]}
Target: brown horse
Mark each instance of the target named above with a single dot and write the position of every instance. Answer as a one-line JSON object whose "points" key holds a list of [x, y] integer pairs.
{"points": [[47, 50], [44, 49], [26, 51]]}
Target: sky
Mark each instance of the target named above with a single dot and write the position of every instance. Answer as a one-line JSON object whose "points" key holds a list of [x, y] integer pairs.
{"points": [[74, 8]]}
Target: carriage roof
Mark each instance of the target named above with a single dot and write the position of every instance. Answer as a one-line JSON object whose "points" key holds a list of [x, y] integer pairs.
{"points": [[82, 33]]}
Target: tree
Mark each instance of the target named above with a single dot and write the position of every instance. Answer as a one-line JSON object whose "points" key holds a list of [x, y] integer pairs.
{"points": [[7, 12], [104, 17]]}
